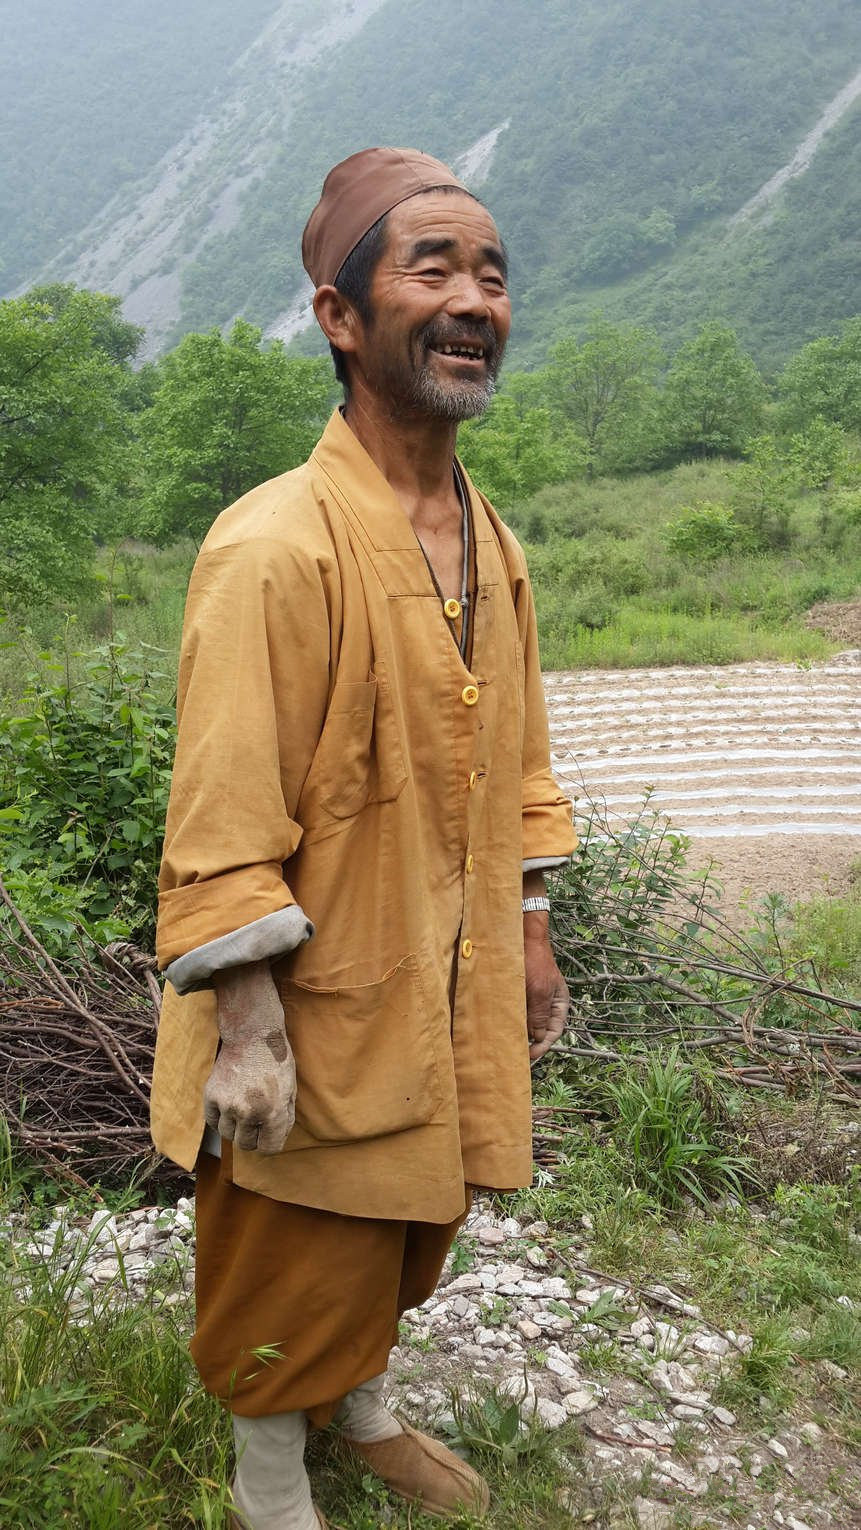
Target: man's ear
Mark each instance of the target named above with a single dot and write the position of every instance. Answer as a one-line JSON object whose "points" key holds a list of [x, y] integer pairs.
{"points": [[337, 318]]}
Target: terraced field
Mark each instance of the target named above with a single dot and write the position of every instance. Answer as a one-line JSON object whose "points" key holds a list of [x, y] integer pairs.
{"points": [[760, 764]]}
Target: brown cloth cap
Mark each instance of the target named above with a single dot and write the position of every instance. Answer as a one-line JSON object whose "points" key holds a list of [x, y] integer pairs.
{"points": [[358, 192]]}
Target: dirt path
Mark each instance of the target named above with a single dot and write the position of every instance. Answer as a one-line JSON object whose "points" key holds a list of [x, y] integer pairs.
{"points": [[760, 764]]}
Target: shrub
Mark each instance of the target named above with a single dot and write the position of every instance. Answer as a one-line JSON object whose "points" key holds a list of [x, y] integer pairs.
{"points": [[702, 532], [84, 777]]}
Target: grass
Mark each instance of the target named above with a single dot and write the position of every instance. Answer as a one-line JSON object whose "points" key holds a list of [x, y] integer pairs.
{"points": [[610, 591]]}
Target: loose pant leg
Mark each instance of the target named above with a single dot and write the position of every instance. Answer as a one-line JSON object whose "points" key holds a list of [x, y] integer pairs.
{"points": [[295, 1306]]}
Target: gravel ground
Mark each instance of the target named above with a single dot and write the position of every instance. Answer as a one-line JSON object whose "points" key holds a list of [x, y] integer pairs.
{"points": [[529, 1318]]}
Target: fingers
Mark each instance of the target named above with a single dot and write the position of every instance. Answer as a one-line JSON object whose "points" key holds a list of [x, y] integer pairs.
{"points": [[250, 1133], [545, 1027]]}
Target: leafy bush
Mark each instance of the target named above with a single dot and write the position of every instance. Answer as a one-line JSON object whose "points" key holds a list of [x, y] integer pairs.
{"points": [[84, 777], [704, 532]]}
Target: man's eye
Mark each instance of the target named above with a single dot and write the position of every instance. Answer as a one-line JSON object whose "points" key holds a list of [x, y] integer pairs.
{"points": [[432, 271]]}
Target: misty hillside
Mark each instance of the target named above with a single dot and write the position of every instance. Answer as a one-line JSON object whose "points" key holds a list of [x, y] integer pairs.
{"points": [[172, 155]]}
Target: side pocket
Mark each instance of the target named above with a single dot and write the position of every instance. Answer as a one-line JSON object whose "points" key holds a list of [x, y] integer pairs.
{"points": [[364, 1056]]}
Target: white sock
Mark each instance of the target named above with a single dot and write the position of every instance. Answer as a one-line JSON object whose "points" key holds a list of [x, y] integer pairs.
{"points": [[271, 1488], [363, 1416]]}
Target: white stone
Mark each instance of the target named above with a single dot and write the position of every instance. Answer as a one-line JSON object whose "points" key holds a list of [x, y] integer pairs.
{"points": [[537, 1258], [511, 1228], [811, 1434], [490, 1338], [460, 1306], [531, 1288], [686, 1411], [528, 1330], [536, 1230], [682, 1476], [653, 1516], [778, 1450], [105, 1269], [723, 1416], [641, 1326], [832, 1371], [491, 1236], [667, 1337], [579, 1402], [560, 1367], [555, 1288], [512, 1272], [698, 1400], [467, 1282], [659, 1434], [796, 1524], [711, 1344], [550, 1413]]}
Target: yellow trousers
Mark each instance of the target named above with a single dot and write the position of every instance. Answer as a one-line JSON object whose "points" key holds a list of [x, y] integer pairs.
{"points": [[295, 1306]]}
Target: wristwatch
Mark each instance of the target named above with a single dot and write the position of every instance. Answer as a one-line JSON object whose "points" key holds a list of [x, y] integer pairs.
{"points": [[536, 905]]}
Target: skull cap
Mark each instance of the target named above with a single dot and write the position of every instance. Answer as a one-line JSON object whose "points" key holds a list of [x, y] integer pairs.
{"points": [[355, 194]]}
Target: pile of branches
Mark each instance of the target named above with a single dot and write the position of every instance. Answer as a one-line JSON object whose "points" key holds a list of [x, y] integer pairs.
{"points": [[76, 1055], [651, 961]]}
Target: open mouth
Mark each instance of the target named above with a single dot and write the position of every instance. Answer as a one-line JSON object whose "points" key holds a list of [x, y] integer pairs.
{"points": [[461, 352]]}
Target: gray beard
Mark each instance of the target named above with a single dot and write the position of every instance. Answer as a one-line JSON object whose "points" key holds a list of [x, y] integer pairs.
{"points": [[461, 401]]}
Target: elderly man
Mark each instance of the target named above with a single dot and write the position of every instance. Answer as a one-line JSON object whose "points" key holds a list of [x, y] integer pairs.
{"points": [[352, 915]]}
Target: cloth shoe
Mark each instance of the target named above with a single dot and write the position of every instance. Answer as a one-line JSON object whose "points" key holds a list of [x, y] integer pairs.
{"points": [[235, 1524], [425, 1472]]}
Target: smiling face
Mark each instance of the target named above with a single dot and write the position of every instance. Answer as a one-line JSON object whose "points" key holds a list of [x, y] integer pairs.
{"points": [[440, 312]]}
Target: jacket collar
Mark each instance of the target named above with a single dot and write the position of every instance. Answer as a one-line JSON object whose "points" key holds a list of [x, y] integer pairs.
{"points": [[368, 498]]}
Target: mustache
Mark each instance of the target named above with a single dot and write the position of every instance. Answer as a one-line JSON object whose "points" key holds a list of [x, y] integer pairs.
{"points": [[463, 333]]}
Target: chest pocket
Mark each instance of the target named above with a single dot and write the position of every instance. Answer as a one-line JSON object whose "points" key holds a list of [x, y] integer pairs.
{"points": [[359, 758]]}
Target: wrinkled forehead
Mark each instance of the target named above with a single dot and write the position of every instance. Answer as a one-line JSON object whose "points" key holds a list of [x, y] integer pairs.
{"points": [[444, 219]]}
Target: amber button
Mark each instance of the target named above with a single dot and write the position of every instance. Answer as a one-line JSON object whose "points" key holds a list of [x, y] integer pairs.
{"points": [[469, 695], [466, 950], [470, 862], [473, 778], [452, 609]]}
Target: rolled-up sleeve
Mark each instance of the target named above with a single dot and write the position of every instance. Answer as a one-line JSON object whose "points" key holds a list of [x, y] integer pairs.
{"points": [[548, 830], [252, 694]]}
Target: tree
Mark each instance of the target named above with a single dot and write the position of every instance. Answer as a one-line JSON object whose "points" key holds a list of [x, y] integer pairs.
{"points": [[605, 386], [227, 414], [824, 380], [519, 445], [713, 396], [63, 442]]}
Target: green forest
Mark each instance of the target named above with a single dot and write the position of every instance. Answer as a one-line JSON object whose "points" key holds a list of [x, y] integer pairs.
{"points": [[629, 138]]}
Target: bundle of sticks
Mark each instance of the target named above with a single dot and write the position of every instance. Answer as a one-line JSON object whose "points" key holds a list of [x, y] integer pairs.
{"points": [[76, 1054]]}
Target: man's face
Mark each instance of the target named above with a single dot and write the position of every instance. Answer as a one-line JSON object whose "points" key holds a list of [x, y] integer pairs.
{"points": [[440, 311]]}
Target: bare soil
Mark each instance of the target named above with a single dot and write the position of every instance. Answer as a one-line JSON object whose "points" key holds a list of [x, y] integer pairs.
{"points": [[759, 764]]}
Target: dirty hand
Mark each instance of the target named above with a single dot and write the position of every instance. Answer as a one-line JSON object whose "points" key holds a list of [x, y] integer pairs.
{"points": [[250, 1095], [546, 993]]}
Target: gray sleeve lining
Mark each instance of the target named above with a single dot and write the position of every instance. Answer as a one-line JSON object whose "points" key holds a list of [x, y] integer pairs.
{"points": [[545, 862], [273, 935]]}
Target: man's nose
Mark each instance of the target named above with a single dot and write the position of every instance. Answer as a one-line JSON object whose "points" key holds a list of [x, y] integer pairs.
{"points": [[468, 297]]}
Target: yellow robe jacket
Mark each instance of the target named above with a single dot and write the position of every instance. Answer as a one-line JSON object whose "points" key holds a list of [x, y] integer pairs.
{"points": [[338, 763]]}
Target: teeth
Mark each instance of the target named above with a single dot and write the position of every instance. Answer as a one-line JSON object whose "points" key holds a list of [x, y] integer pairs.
{"points": [[473, 351]]}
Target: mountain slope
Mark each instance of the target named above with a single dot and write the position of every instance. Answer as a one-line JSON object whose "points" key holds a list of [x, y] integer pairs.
{"points": [[615, 141]]}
